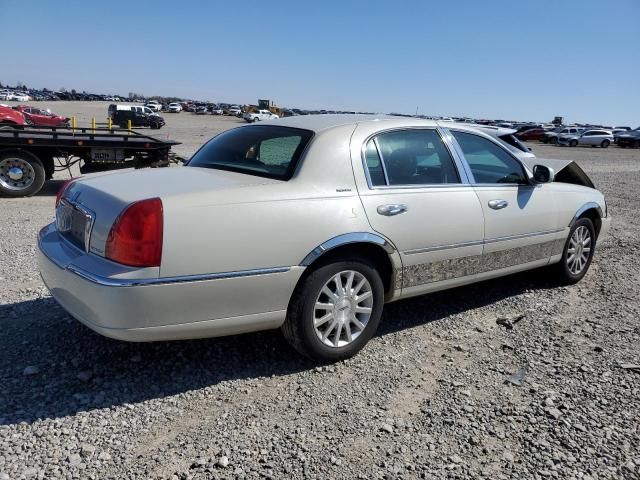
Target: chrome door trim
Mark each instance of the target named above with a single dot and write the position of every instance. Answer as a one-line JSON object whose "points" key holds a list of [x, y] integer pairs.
{"points": [[481, 242], [443, 247], [523, 235], [458, 154], [345, 239]]}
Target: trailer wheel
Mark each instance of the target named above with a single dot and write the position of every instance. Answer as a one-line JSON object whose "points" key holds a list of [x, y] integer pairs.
{"points": [[21, 173]]}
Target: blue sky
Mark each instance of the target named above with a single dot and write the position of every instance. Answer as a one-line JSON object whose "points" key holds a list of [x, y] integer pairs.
{"points": [[494, 59]]}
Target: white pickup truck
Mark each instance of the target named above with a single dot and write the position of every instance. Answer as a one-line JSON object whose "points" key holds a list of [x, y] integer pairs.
{"points": [[261, 115]]}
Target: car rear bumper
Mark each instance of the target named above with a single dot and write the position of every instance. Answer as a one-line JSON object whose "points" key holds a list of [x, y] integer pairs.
{"points": [[118, 305]]}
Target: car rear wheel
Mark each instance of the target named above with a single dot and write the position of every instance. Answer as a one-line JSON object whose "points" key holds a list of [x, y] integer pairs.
{"points": [[256, 119], [605, 143], [573, 143], [335, 311], [21, 173], [578, 252]]}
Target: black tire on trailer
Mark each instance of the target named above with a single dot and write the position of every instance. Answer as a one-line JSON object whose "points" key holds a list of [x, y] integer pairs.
{"points": [[8, 126], [22, 174]]}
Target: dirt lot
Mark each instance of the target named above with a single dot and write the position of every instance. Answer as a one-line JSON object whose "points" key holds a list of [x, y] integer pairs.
{"points": [[430, 397]]}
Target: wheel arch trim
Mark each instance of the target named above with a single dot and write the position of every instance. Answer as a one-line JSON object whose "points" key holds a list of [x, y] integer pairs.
{"points": [[346, 239], [584, 208]]}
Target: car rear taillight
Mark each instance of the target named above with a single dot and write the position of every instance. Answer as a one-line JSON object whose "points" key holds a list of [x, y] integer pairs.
{"points": [[136, 236], [63, 188]]}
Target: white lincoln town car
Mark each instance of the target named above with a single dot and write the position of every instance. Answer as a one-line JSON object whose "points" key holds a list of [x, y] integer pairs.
{"points": [[311, 224]]}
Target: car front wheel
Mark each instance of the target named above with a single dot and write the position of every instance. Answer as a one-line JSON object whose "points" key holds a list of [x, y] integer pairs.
{"points": [[335, 311], [578, 251]]}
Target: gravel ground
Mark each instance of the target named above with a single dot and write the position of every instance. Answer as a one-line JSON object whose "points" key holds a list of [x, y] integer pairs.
{"points": [[511, 378]]}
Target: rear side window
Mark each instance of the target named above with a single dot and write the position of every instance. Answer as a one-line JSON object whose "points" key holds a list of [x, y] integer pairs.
{"points": [[266, 151], [489, 163], [409, 157]]}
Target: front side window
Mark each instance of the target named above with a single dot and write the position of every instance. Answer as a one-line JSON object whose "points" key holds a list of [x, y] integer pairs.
{"points": [[489, 163], [410, 157], [266, 151]]}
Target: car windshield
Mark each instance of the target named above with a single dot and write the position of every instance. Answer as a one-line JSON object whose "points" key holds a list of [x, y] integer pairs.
{"points": [[263, 150]]}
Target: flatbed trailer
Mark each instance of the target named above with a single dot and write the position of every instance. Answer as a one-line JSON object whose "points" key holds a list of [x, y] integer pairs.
{"points": [[30, 155]]}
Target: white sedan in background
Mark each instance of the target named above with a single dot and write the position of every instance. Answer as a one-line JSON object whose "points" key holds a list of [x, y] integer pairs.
{"points": [[311, 224], [174, 108]]}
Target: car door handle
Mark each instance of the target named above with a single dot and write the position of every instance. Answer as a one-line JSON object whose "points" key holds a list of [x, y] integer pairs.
{"points": [[498, 204], [393, 209]]}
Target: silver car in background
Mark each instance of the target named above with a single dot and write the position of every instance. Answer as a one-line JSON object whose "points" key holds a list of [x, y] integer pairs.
{"points": [[593, 138]]}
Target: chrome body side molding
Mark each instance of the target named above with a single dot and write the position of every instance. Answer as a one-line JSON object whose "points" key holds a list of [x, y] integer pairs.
{"points": [[127, 282], [347, 238]]}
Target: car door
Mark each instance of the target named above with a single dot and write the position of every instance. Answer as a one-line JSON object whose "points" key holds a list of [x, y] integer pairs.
{"points": [[416, 194], [587, 138], [521, 221]]}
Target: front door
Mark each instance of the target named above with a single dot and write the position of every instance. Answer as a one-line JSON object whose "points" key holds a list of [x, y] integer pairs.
{"points": [[418, 197], [521, 223]]}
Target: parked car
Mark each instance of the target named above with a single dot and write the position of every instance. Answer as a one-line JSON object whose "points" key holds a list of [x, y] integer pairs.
{"points": [[552, 136], [174, 107], [202, 110], [629, 139], [138, 119], [258, 116], [318, 222], [10, 118], [594, 138], [40, 117], [216, 110], [154, 105], [536, 133], [19, 97], [235, 111]]}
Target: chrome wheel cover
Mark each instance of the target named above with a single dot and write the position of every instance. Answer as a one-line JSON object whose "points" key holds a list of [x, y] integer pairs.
{"points": [[16, 174], [343, 308], [579, 250]]}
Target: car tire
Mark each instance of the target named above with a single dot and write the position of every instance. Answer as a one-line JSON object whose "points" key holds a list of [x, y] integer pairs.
{"points": [[575, 262], [255, 120], [573, 143], [32, 169], [605, 143], [328, 329]]}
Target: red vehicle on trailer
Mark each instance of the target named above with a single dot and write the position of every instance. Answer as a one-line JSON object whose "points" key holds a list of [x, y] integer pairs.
{"points": [[10, 117], [42, 118]]}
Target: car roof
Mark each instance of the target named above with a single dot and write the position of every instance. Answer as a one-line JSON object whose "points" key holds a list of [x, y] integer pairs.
{"points": [[318, 123]]}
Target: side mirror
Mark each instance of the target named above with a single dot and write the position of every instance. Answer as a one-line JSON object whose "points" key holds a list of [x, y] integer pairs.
{"points": [[543, 174]]}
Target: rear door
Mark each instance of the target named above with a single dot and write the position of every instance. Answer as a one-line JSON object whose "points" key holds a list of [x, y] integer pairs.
{"points": [[521, 221], [416, 194]]}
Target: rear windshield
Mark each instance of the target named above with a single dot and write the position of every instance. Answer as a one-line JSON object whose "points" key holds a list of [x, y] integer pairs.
{"points": [[263, 150]]}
